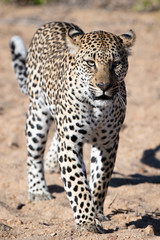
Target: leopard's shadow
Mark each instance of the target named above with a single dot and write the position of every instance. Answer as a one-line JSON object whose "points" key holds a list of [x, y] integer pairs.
{"points": [[149, 158], [145, 221], [55, 188]]}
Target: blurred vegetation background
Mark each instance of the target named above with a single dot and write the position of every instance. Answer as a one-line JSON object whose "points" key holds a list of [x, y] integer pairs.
{"points": [[28, 2], [147, 5], [136, 5]]}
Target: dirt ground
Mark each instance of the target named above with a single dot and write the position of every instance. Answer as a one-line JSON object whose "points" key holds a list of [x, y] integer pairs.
{"points": [[133, 200]]}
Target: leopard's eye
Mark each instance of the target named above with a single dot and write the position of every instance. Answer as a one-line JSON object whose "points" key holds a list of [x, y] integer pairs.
{"points": [[91, 63]]}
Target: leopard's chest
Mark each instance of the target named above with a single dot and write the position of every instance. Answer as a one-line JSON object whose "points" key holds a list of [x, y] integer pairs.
{"points": [[89, 123], [105, 122]]}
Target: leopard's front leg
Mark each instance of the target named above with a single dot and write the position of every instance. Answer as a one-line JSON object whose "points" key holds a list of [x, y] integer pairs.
{"points": [[76, 184], [102, 165]]}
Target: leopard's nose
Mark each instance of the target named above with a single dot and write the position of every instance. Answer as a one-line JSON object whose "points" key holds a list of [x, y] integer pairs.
{"points": [[103, 86]]}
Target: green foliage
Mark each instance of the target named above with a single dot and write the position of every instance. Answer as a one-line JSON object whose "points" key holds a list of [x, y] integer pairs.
{"points": [[37, 2], [28, 2], [147, 5]]}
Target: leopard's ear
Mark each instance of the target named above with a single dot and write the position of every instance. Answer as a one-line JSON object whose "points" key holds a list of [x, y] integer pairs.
{"points": [[73, 39], [128, 38]]}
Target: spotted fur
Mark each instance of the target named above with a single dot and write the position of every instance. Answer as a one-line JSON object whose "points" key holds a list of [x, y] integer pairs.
{"points": [[77, 80]]}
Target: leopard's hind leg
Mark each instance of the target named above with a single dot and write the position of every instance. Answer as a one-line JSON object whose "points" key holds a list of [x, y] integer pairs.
{"points": [[37, 126]]}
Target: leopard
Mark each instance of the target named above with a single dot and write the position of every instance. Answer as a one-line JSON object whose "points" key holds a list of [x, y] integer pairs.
{"points": [[76, 80]]}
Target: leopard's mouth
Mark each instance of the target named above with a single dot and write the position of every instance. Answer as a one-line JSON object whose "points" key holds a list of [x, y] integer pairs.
{"points": [[104, 97]]}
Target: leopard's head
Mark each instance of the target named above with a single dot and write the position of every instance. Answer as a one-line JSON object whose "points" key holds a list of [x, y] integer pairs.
{"points": [[99, 62]]}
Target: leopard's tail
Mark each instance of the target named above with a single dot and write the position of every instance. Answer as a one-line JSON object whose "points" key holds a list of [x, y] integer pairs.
{"points": [[19, 54]]}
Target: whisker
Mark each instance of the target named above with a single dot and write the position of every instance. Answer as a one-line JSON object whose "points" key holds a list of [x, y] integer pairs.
{"points": [[121, 100], [94, 89], [114, 89]]}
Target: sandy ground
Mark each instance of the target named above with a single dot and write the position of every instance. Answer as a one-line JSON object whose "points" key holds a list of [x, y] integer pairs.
{"points": [[133, 200]]}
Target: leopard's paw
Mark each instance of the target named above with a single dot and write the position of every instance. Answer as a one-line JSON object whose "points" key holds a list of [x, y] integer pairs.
{"points": [[38, 197]]}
